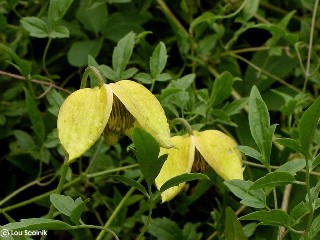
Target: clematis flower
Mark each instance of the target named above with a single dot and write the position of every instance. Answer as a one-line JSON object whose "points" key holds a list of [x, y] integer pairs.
{"points": [[112, 109], [195, 153]]}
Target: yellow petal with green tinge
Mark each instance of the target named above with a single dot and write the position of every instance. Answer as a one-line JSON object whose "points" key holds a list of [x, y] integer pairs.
{"points": [[145, 108], [179, 161], [82, 118], [219, 150]]}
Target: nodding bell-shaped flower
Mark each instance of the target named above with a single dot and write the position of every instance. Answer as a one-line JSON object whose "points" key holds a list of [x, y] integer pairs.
{"points": [[195, 153], [112, 109]]}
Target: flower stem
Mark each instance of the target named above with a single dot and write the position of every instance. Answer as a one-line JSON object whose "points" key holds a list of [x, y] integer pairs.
{"points": [[184, 123], [96, 73], [117, 210]]}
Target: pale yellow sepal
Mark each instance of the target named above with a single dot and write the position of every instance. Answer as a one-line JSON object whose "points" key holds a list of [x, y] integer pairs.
{"points": [[179, 161], [82, 118], [145, 108], [219, 151]]}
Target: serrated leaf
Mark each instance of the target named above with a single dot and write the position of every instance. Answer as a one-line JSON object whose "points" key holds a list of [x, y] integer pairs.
{"points": [[252, 198], [182, 178], [35, 116], [147, 152], [131, 183], [35, 26], [307, 126], [233, 229], [273, 179], [122, 53], [158, 60]]}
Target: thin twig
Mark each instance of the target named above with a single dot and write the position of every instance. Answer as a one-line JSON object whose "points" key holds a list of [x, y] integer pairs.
{"points": [[18, 77]]}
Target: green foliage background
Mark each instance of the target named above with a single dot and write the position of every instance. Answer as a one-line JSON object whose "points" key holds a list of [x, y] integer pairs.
{"points": [[237, 66]]}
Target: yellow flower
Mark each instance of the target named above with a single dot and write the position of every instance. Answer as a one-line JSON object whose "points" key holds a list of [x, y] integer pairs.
{"points": [[195, 153], [114, 109]]}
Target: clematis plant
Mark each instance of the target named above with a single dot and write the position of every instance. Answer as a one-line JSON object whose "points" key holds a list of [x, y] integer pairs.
{"points": [[111, 109], [196, 152]]}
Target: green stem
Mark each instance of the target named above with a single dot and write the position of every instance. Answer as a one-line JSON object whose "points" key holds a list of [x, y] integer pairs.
{"points": [[117, 210], [69, 184], [45, 52], [314, 14], [151, 205], [63, 174], [310, 218], [30, 184], [86, 73]]}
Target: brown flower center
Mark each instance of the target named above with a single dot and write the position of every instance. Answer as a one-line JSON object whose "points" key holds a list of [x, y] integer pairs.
{"points": [[119, 121], [199, 164]]}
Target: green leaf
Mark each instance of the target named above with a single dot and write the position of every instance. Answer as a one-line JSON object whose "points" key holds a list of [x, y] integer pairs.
{"points": [[35, 26], [131, 183], [24, 67], [79, 52], [108, 72], [147, 152], [314, 228], [259, 122], [122, 53], [158, 60], [252, 198], [189, 231], [36, 224], [222, 88], [233, 229], [144, 78], [184, 82], [128, 73], [165, 229], [273, 179], [59, 32], [290, 143], [64, 204], [307, 126], [78, 209], [250, 9], [35, 116], [273, 217], [57, 9], [182, 178], [292, 166], [251, 152], [93, 15]]}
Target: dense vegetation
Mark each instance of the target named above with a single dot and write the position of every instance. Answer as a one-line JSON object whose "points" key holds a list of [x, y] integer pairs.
{"points": [[249, 69]]}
